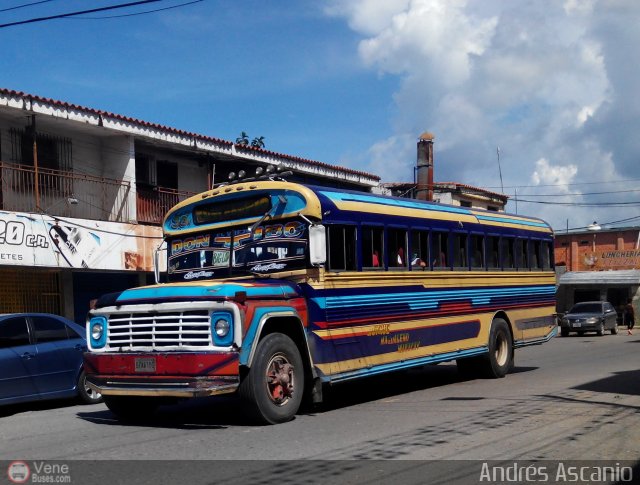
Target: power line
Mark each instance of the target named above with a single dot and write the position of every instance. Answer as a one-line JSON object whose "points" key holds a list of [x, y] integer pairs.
{"points": [[583, 204], [563, 185], [628, 219], [25, 5], [80, 12], [571, 194], [137, 13]]}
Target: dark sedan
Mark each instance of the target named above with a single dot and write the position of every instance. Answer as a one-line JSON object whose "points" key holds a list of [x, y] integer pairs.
{"points": [[41, 358], [590, 316]]}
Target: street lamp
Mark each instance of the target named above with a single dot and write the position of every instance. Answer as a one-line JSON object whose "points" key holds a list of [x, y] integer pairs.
{"points": [[594, 227]]}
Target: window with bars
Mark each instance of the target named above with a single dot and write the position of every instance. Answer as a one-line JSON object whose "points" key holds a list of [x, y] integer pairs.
{"points": [[54, 155], [53, 152]]}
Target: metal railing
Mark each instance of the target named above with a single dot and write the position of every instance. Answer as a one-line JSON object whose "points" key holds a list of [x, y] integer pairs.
{"points": [[153, 203], [63, 193]]}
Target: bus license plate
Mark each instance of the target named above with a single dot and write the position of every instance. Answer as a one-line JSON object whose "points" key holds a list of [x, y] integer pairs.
{"points": [[145, 364], [577, 324]]}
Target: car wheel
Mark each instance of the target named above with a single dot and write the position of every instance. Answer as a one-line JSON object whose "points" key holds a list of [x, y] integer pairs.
{"points": [[86, 393], [272, 390], [614, 329], [564, 331]]}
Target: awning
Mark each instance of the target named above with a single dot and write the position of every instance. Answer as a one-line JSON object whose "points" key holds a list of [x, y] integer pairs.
{"points": [[622, 277]]}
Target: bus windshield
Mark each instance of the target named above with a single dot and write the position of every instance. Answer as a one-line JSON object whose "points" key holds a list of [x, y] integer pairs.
{"points": [[226, 252]]}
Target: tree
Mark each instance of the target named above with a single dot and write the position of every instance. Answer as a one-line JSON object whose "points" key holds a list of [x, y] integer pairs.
{"points": [[258, 142], [243, 139]]}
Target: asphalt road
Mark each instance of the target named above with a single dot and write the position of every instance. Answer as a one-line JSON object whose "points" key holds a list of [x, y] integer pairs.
{"points": [[574, 398]]}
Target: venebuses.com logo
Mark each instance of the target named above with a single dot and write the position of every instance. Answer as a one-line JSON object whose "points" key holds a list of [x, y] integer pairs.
{"points": [[18, 472], [38, 472]]}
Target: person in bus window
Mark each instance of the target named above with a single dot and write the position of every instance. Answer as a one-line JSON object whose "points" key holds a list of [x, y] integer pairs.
{"points": [[375, 259], [400, 257]]}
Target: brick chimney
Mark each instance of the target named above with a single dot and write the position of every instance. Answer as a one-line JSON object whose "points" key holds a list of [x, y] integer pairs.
{"points": [[424, 187]]}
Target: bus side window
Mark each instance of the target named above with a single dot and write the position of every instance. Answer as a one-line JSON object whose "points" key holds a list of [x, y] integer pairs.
{"points": [[477, 251], [508, 253], [535, 254], [440, 250], [522, 254], [545, 255], [419, 249], [372, 247], [493, 260], [397, 239], [342, 248], [460, 251]]}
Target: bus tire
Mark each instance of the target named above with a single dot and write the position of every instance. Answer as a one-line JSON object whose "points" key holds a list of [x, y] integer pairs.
{"points": [[272, 390], [498, 362], [131, 408]]}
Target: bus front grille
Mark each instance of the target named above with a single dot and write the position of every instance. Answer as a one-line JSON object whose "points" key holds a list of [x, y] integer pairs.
{"points": [[159, 330]]}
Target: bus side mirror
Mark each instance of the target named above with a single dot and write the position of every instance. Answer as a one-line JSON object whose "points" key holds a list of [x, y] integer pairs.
{"points": [[157, 253], [156, 265], [317, 245]]}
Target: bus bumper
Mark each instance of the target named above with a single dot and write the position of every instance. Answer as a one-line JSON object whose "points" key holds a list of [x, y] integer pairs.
{"points": [[179, 374]]}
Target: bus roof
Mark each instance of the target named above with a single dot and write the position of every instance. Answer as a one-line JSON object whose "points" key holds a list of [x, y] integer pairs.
{"points": [[246, 202]]}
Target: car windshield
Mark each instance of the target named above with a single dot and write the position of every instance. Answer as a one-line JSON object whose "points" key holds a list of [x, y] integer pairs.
{"points": [[224, 253], [587, 308]]}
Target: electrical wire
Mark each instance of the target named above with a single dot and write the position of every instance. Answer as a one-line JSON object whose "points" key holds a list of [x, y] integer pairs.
{"points": [[24, 5], [582, 204], [137, 13], [80, 12]]}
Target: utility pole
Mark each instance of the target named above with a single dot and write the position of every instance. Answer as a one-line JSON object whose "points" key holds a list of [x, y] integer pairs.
{"points": [[500, 169], [36, 186]]}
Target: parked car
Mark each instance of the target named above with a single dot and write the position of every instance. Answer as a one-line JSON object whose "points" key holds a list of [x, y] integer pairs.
{"points": [[41, 358], [590, 316]]}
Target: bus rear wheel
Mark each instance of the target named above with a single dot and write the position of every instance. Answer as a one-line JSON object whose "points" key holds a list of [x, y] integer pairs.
{"points": [[499, 361], [272, 390]]}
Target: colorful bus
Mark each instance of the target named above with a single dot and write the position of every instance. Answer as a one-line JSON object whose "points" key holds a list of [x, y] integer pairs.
{"points": [[276, 289]]}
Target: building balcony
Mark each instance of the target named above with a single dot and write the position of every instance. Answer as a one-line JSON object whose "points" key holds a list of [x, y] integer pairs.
{"points": [[70, 194], [152, 203]]}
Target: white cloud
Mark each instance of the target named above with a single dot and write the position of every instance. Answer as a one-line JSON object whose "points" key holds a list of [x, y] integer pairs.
{"points": [[554, 84], [558, 176]]}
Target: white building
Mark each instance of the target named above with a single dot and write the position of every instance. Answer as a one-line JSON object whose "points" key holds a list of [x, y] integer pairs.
{"points": [[80, 209]]}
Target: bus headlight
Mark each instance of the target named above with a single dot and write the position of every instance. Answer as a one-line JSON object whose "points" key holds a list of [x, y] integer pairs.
{"points": [[97, 332], [222, 328]]}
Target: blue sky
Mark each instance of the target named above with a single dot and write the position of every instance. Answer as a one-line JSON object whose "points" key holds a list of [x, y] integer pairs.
{"points": [[355, 82]]}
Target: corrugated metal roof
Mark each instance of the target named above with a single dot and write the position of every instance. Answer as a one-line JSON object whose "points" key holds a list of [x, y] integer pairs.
{"points": [[622, 277]]}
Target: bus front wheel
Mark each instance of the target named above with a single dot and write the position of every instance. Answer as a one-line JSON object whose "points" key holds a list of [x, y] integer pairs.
{"points": [[272, 390]]}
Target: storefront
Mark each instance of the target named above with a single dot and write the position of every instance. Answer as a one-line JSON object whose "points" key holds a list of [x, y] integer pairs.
{"points": [[58, 265], [598, 264]]}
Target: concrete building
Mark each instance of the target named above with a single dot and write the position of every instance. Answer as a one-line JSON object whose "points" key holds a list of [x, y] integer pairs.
{"points": [[598, 264], [83, 192]]}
